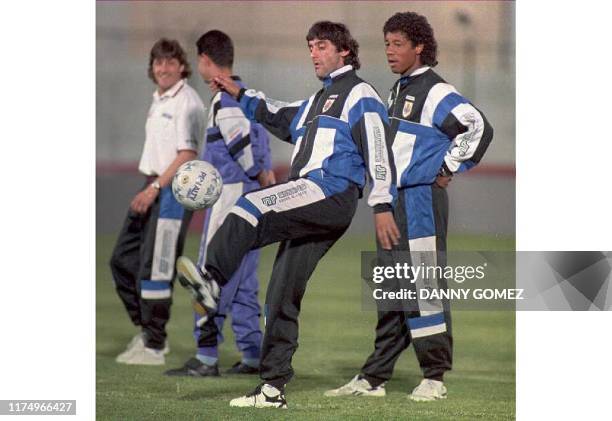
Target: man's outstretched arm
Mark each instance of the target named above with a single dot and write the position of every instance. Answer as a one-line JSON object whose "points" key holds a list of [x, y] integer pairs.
{"points": [[276, 116]]}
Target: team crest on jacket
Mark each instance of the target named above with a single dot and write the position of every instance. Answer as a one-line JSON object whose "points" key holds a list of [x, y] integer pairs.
{"points": [[407, 106], [329, 102]]}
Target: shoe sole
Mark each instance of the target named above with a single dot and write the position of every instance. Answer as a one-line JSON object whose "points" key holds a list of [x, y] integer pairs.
{"points": [[159, 362], [123, 359], [259, 406], [330, 394], [423, 399], [147, 363], [187, 272], [132, 348]]}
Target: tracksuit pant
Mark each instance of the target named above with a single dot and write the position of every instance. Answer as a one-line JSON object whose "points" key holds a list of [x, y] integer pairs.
{"points": [[238, 299], [143, 262], [422, 218], [307, 219], [239, 296]]}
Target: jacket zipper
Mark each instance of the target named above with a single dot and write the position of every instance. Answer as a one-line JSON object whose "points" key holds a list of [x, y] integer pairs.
{"points": [[304, 143]]}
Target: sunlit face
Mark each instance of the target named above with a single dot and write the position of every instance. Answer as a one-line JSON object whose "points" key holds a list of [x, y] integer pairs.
{"points": [[325, 57], [167, 72], [402, 55]]}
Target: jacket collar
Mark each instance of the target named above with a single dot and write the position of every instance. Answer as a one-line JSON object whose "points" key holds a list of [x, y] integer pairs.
{"points": [[336, 74], [170, 92], [406, 78]]}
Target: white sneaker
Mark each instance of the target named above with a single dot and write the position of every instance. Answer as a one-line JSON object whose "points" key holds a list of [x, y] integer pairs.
{"points": [[136, 344], [428, 390], [358, 387], [147, 356], [264, 396], [203, 288]]}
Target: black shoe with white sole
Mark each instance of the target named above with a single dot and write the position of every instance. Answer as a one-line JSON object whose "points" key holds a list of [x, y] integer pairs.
{"points": [[194, 368], [242, 368], [203, 288], [264, 396]]}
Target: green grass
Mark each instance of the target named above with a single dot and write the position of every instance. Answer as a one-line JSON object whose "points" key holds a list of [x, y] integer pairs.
{"points": [[336, 336]]}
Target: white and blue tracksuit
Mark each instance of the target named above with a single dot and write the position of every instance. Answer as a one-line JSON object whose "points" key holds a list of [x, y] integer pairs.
{"points": [[143, 261], [339, 135], [239, 149], [435, 130], [148, 244]]}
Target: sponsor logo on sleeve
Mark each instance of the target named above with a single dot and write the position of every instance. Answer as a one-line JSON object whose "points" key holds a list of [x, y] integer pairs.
{"points": [[464, 145], [378, 146]]}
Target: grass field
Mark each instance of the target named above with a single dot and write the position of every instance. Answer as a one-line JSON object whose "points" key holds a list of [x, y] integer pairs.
{"points": [[336, 336]]}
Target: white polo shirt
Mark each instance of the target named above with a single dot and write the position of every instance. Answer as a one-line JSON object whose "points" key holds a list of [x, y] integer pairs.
{"points": [[175, 122]]}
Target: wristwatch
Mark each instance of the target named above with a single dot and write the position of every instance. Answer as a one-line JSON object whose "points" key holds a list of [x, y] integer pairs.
{"points": [[156, 185], [444, 172]]}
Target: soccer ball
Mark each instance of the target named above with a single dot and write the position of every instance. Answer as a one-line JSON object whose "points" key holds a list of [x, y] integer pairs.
{"points": [[197, 185]]}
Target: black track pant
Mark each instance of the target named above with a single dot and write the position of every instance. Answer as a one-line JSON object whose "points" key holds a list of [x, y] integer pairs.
{"points": [[143, 261], [307, 223], [395, 330]]}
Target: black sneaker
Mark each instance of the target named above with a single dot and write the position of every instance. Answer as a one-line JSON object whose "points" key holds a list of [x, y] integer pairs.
{"points": [[241, 368], [264, 396], [194, 368], [202, 287]]}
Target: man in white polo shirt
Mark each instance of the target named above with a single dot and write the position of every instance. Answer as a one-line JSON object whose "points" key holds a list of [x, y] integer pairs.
{"points": [[154, 230]]}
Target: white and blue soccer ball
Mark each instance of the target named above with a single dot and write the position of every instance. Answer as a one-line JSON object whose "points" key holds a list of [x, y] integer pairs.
{"points": [[197, 185]]}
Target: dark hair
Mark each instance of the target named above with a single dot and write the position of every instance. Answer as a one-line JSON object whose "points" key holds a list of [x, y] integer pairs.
{"points": [[416, 29], [339, 35], [218, 47], [169, 48]]}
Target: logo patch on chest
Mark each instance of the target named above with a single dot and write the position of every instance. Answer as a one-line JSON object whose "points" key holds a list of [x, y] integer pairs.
{"points": [[408, 103], [329, 102]]}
